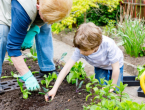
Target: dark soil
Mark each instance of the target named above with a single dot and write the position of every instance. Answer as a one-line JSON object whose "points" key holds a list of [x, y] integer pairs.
{"points": [[66, 97]]}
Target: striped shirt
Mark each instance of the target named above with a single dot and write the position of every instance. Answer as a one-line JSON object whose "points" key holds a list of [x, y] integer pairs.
{"points": [[107, 54]]}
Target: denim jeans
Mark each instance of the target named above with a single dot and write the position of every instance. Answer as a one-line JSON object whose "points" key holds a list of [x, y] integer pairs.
{"points": [[4, 30], [107, 74], [44, 48]]}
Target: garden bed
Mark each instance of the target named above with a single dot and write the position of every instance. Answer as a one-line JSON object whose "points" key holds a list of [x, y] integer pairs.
{"points": [[66, 97]]}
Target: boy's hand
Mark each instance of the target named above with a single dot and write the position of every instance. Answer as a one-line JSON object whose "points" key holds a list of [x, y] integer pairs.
{"points": [[50, 94]]}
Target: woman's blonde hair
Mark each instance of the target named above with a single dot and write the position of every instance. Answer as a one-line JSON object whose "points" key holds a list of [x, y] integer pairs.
{"points": [[55, 10], [87, 37]]}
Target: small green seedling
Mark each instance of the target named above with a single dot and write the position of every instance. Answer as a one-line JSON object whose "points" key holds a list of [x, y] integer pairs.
{"points": [[45, 92], [33, 52], [29, 67], [25, 92], [9, 59], [78, 86], [76, 72], [13, 75], [62, 57], [34, 72], [48, 79], [25, 59]]}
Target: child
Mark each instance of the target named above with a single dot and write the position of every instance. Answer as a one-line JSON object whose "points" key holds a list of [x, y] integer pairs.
{"points": [[99, 51]]}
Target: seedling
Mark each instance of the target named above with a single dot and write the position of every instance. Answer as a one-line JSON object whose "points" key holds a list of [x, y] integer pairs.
{"points": [[121, 94], [33, 52], [45, 92], [48, 79], [78, 86], [76, 72], [61, 59], [9, 59], [25, 92], [25, 59], [13, 75], [34, 72]]}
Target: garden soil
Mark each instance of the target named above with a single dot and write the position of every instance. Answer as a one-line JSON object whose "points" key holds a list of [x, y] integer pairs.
{"points": [[66, 97]]}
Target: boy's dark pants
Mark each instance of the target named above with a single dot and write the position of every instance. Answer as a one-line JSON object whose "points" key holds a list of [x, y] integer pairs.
{"points": [[107, 74]]}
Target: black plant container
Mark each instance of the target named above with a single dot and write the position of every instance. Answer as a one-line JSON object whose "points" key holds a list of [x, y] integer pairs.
{"points": [[140, 92], [130, 80]]}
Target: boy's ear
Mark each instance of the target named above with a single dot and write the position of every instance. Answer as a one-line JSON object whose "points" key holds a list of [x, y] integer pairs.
{"points": [[37, 6]]}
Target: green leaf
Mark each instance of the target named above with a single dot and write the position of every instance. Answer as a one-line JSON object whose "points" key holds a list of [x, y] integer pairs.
{"points": [[70, 77], [88, 86], [3, 77], [76, 82], [54, 76], [88, 96], [96, 90], [25, 95], [41, 93], [80, 85], [20, 84], [45, 90], [63, 55], [43, 82]]}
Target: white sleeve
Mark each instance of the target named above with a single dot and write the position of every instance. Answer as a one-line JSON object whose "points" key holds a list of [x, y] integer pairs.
{"points": [[76, 55], [113, 52]]}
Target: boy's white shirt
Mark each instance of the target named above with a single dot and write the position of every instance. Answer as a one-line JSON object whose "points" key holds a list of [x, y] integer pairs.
{"points": [[107, 54], [5, 10]]}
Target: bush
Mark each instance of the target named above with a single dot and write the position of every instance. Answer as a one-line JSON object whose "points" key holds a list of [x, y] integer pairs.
{"points": [[100, 16]]}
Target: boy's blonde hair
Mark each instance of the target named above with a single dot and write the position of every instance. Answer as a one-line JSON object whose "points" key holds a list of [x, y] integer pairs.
{"points": [[55, 10], [87, 37]]}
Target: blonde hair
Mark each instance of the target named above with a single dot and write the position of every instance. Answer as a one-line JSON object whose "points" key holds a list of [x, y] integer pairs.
{"points": [[55, 10], [87, 37]]}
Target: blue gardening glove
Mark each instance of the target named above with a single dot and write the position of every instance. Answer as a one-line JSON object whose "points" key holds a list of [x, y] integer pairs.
{"points": [[29, 39], [30, 81]]}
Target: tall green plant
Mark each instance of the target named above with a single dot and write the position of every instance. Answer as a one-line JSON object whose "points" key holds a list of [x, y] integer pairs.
{"points": [[133, 35]]}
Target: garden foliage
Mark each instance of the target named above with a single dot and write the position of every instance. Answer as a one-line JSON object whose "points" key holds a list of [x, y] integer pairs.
{"points": [[79, 7], [48, 79], [133, 35], [107, 100], [76, 72], [100, 16]]}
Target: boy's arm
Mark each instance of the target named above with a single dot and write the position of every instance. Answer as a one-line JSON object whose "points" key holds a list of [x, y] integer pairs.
{"points": [[60, 78], [115, 72]]}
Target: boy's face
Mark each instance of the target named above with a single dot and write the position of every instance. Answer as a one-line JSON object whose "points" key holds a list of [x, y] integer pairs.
{"points": [[88, 52]]}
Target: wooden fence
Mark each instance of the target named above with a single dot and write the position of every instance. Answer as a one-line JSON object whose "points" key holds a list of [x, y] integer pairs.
{"points": [[132, 8]]}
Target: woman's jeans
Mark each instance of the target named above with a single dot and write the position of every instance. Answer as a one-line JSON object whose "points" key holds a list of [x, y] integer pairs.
{"points": [[107, 74], [44, 47]]}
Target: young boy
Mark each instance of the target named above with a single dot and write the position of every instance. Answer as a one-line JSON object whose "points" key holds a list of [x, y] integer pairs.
{"points": [[99, 51]]}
